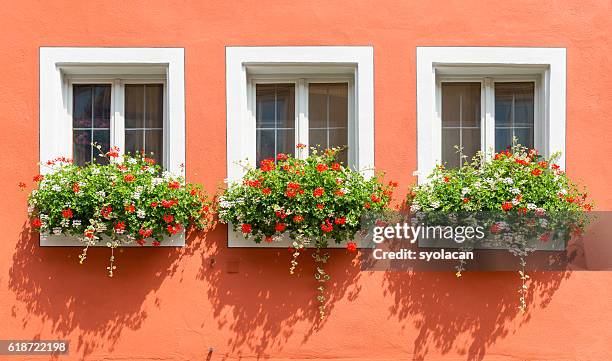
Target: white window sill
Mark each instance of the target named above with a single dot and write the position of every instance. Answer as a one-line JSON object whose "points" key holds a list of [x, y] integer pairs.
{"points": [[237, 240], [51, 240]]}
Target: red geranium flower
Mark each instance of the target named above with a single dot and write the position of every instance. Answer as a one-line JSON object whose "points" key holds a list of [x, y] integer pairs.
{"points": [[506, 206], [173, 229], [375, 198], [465, 200], [120, 226], [555, 166], [76, 188], [367, 205], [246, 228], [155, 243], [267, 165], [298, 218], [36, 222], [38, 178], [536, 172], [281, 156], [300, 146], [128, 178], [113, 153], [122, 167], [339, 193], [67, 213], [327, 227], [168, 218], [290, 194], [145, 232], [340, 220], [293, 185], [140, 241], [318, 192], [351, 246], [130, 208], [543, 164], [154, 204], [446, 179], [269, 239], [174, 185], [281, 214], [150, 161], [320, 205], [280, 227], [322, 167], [89, 233], [336, 166], [266, 191]]}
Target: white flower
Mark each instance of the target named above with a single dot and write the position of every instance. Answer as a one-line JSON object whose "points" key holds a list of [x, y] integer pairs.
{"points": [[43, 217], [56, 188], [132, 161], [226, 181], [435, 204], [136, 195], [166, 175], [490, 181], [140, 213], [508, 180], [543, 222], [76, 223], [101, 194], [157, 181], [151, 170], [65, 222], [515, 191], [465, 191], [30, 209], [563, 191], [95, 171], [345, 190], [531, 206], [477, 185], [82, 184], [515, 201], [415, 208], [101, 228], [57, 231]]}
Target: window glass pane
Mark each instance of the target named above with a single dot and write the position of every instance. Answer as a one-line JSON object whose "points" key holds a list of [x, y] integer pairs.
{"points": [[265, 144], [102, 138], [275, 120], [81, 146], [81, 106], [154, 144], [514, 114], [91, 107], [328, 116], [144, 119], [154, 99], [134, 106], [461, 118], [102, 104]]}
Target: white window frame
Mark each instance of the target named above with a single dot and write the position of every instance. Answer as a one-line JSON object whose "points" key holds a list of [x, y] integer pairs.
{"points": [[60, 67], [301, 82], [296, 62], [545, 66], [317, 62]]}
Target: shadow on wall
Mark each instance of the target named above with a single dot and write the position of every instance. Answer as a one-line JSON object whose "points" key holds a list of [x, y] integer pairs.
{"points": [[465, 315], [80, 301], [254, 296]]}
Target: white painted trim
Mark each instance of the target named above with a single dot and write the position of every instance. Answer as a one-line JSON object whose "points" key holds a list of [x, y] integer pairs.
{"points": [[277, 60], [51, 240], [493, 61], [57, 64]]}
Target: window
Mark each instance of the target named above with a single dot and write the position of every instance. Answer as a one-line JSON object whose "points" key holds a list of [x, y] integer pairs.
{"points": [[132, 98], [278, 97], [480, 99], [140, 113], [281, 125], [513, 115]]}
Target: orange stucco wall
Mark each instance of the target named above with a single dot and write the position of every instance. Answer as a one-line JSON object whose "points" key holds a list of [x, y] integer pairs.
{"points": [[175, 304]]}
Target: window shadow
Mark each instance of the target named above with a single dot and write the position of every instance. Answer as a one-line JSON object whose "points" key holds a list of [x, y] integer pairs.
{"points": [[79, 302]]}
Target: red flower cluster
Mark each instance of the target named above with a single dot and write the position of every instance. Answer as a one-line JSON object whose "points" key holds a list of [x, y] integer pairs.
{"points": [[38, 178], [129, 178], [536, 172], [298, 218], [506, 206], [130, 208], [351, 246], [120, 226], [267, 165], [113, 152], [168, 204], [280, 227], [144, 233], [318, 192], [173, 229], [327, 226], [246, 228], [340, 220], [174, 185], [36, 222], [282, 156], [168, 218], [322, 167], [67, 213], [106, 211], [76, 188]]}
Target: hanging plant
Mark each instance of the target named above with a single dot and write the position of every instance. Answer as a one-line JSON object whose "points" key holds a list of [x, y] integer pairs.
{"points": [[520, 197], [313, 201], [128, 200]]}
